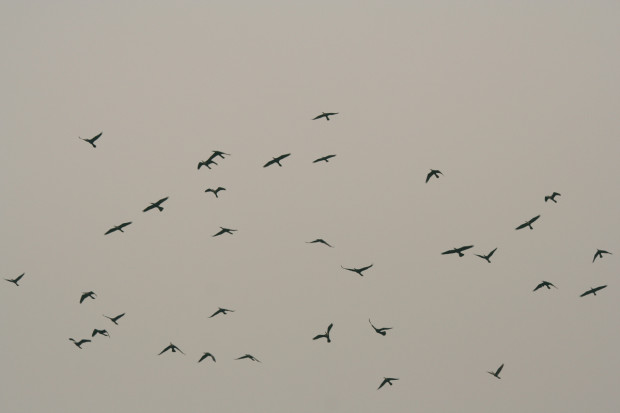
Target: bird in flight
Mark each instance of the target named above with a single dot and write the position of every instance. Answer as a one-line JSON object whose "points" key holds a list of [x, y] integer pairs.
{"points": [[222, 311], [528, 223], [488, 256], [322, 241], [248, 356], [90, 294], [224, 231], [156, 205], [171, 347], [457, 250], [326, 335], [545, 284], [118, 228], [552, 197], [387, 380], [593, 290], [114, 319], [358, 270], [205, 355], [15, 280], [92, 140], [599, 254], [324, 158], [102, 332], [276, 160], [380, 330], [325, 115], [216, 190], [433, 172], [79, 343], [207, 163], [496, 373], [215, 154]]}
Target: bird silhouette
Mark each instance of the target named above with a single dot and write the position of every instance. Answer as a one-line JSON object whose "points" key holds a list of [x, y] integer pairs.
{"points": [[215, 154], [171, 347], [276, 160], [90, 294], [215, 191], [156, 205], [387, 380], [325, 115], [599, 254], [326, 335], [528, 223], [207, 163], [205, 355], [593, 290], [248, 356], [488, 256], [496, 373], [79, 343], [381, 330], [457, 250], [118, 228], [545, 284], [15, 280], [358, 270], [433, 172], [102, 332], [552, 197], [93, 139], [114, 319], [224, 231], [324, 158], [222, 311], [322, 241]]}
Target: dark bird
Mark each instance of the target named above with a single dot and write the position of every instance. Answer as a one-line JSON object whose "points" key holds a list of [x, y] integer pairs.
{"points": [[215, 191], [358, 270], [387, 380], [205, 355], [207, 163], [322, 241], [528, 223], [593, 290], [102, 332], [79, 343], [118, 228], [90, 294], [325, 115], [221, 310], [92, 140], [599, 254], [552, 197], [324, 158], [224, 231], [215, 154], [380, 330], [171, 347], [496, 373], [248, 356], [545, 284], [114, 319], [156, 205], [326, 335], [457, 250], [15, 280], [433, 172], [276, 160], [488, 256]]}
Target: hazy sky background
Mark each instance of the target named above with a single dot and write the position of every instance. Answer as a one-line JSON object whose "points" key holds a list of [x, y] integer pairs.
{"points": [[510, 100]]}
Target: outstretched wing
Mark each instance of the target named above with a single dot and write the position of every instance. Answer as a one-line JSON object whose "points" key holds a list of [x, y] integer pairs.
{"points": [[531, 221], [452, 251], [599, 288], [148, 208], [329, 328], [523, 225], [320, 116], [499, 369], [286, 155], [94, 138], [427, 178], [19, 278], [164, 350], [111, 230], [124, 224], [271, 162], [319, 336], [539, 286], [464, 248], [491, 253], [365, 268]]}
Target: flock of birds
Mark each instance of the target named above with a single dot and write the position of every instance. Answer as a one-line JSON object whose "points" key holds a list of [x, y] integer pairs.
{"points": [[360, 271]]}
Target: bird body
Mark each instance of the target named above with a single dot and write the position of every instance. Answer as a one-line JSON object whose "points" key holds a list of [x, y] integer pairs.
{"points": [[488, 256], [320, 240], [457, 250], [545, 284], [93, 139], [593, 290], [102, 332], [324, 158], [433, 172], [221, 311], [216, 190], [114, 319], [156, 205], [86, 295], [224, 231], [79, 343], [528, 223], [207, 163], [248, 356], [496, 373], [326, 335], [387, 380], [205, 355], [381, 331], [15, 280], [276, 160], [325, 115], [215, 154], [358, 270], [118, 228], [599, 254], [171, 347], [552, 197]]}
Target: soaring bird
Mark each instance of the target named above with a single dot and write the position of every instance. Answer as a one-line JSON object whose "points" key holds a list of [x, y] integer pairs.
{"points": [[248, 356], [102, 332], [387, 380], [216, 190], [224, 231], [276, 160], [322, 241], [207, 163], [205, 355], [598, 253], [171, 347], [593, 290], [433, 172], [528, 223], [380, 330], [79, 343], [114, 319], [90, 294], [457, 250], [552, 197], [326, 335], [496, 373], [545, 284], [93, 139], [15, 280], [325, 115], [215, 154], [156, 205], [222, 311], [324, 158], [488, 256], [118, 228], [358, 270]]}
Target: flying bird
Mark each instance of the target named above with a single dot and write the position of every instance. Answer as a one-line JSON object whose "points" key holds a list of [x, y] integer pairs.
{"points": [[552, 197], [118, 228], [171, 347], [90, 294], [380, 330], [276, 160], [598, 253], [488, 256], [248, 356], [324, 158], [215, 154], [325, 115], [222, 311], [114, 319], [433, 172], [545, 284], [92, 140], [216, 190], [224, 231], [496, 373], [457, 250], [593, 290], [79, 343], [528, 223], [358, 270], [207, 163], [322, 241], [102, 332], [387, 380], [15, 280], [156, 205], [205, 355], [326, 335]]}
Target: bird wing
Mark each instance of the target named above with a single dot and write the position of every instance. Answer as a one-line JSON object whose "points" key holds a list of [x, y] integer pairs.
{"points": [[556, 193], [220, 188], [94, 138], [452, 251], [95, 331], [162, 200], [539, 286], [219, 233], [216, 313], [586, 293], [499, 369], [382, 384], [318, 160], [118, 316], [464, 248], [365, 268], [349, 269], [164, 350], [491, 253], [83, 341], [320, 116], [111, 230], [148, 208], [286, 155], [203, 357], [427, 178], [124, 224], [319, 336], [523, 225], [329, 328], [534, 219], [83, 297], [599, 288], [269, 163], [18, 278]]}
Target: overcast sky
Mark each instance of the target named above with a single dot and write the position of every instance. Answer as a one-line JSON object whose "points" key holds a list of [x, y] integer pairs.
{"points": [[510, 100]]}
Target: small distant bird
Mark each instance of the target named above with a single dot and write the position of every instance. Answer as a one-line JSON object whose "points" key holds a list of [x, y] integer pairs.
{"points": [[358, 270], [248, 356], [224, 231], [496, 373], [552, 197], [207, 163], [457, 250], [205, 355], [545, 284], [15, 280], [380, 330], [102, 332], [276, 160], [528, 223], [488, 256], [222, 311], [118, 228], [90, 294], [325, 115], [387, 380], [593, 290], [324, 158], [114, 319], [92, 140], [215, 191], [326, 335], [156, 205], [79, 343], [322, 241], [215, 154], [433, 172], [598, 253], [171, 347]]}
